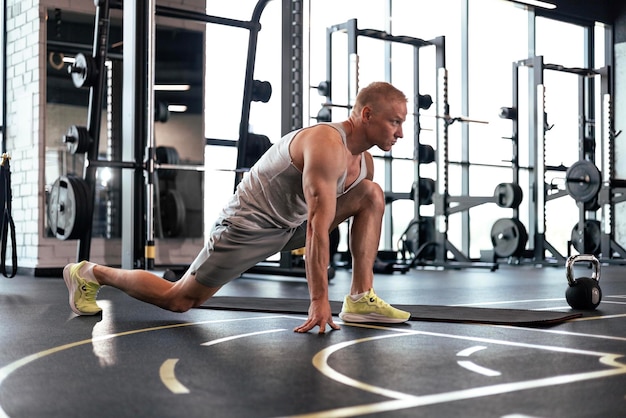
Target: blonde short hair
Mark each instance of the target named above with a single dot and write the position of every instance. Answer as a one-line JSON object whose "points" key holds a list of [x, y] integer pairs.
{"points": [[376, 93]]}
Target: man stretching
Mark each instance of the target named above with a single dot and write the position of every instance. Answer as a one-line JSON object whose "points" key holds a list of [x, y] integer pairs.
{"points": [[304, 186]]}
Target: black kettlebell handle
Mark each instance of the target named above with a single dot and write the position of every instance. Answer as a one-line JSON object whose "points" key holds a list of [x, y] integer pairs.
{"points": [[581, 257]]}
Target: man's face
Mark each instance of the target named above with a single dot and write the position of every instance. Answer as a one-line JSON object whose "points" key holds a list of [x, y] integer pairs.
{"points": [[385, 124]]}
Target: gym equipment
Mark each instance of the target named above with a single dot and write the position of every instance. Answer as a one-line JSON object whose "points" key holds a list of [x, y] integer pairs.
{"points": [[7, 226], [173, 213], [84, 71], [323, 88], [261, 91], [424, 101], [583, 181], [324, 115], [69, 207], [418, 240], [509, 237], [508, 113], [508, 195], [70, 197], [587, 241], [77, 139], [426, 154], [583, 293], [257, 145], [505, 195], [169, 156], [423, 189]]}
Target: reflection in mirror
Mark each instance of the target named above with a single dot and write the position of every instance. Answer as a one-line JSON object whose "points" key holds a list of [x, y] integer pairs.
{"points": [[178, 129]]}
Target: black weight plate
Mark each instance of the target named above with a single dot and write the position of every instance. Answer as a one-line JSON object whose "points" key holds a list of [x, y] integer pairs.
{"points": [[77, 139], [509, 237], [173, 213], [80, 207], [426, 190], [592, 205], [508, 195], [583, 181], [426, 154], [589, 242], [169, 156]]}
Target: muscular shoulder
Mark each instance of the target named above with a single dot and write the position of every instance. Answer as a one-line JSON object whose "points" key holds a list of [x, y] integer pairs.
{"points": [[319, 141], [322, 133]]}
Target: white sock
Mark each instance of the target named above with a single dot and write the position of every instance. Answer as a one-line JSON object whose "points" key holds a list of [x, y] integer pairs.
{"points": [[86, 271], [358, 296]]}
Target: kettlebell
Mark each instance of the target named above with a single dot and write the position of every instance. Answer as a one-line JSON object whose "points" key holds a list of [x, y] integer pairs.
{"points": [[583, 293]]}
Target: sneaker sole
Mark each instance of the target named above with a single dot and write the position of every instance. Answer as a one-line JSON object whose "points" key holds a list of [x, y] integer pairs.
{"points": [[71, 287], [372, 317]]}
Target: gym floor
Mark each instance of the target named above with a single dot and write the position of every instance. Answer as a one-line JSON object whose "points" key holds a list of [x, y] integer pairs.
{"points": [[138, 360]]}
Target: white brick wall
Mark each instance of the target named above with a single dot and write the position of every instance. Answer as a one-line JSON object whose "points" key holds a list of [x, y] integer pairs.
{"points": [[24, 140]]}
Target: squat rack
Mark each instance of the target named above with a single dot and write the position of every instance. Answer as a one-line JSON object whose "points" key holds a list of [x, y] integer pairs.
{"points": [[608, 189]]}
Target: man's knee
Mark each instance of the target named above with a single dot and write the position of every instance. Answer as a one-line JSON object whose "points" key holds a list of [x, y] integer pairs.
{"points": [[374, 197], [187, 294]]}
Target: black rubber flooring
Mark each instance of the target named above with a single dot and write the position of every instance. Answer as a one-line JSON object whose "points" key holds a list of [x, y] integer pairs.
{"points": [[136, 360]]}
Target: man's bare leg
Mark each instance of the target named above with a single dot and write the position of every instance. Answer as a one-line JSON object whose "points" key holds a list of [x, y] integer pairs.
{"points": [[84, 280], [366, 204], [178, 296]]}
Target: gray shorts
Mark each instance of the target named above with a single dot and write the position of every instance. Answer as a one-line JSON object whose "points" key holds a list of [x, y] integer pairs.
{"points": [[232, 250]]}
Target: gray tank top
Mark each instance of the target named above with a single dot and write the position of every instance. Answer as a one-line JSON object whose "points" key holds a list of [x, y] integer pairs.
{"points": [[270, 194]]}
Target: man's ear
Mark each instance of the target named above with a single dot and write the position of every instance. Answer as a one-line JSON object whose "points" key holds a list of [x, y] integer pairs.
{"points": [[366, 113]]}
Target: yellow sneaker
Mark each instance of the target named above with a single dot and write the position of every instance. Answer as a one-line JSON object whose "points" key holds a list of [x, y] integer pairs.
{"points": [[371, 308], [83, 291]]}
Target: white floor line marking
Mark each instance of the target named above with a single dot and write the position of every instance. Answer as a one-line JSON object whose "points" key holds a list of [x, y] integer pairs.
{"points": [[469, 351], [492, 341], [234, 337], [404, 401], [168, 377], [320, 362], [5, 371], [473, 367]]}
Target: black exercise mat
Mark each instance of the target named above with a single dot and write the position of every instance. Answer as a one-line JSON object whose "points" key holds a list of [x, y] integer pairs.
{"points": [[434, 313]]}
